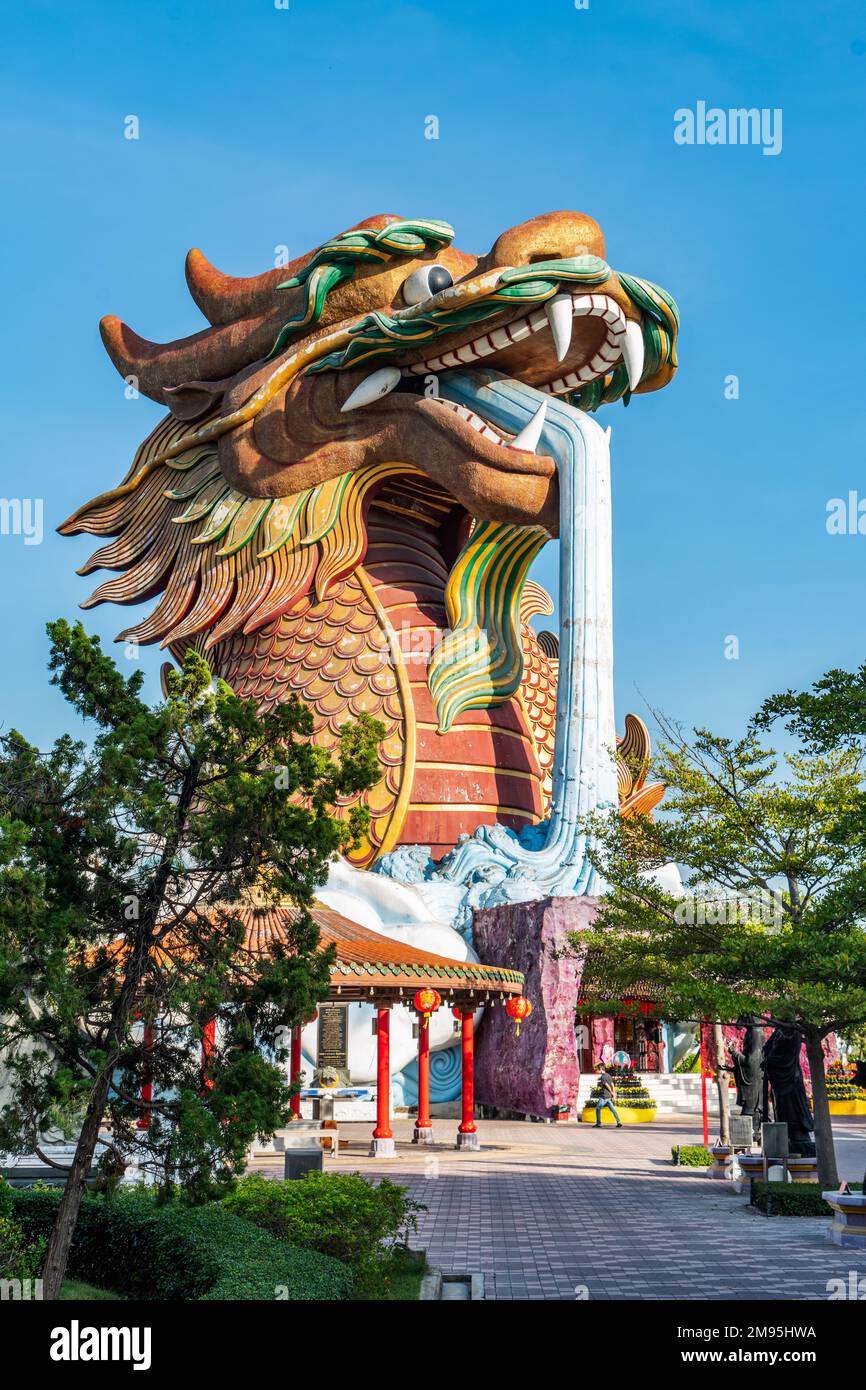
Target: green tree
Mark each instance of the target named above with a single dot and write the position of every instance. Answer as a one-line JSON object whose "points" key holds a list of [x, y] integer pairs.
{"points": [[775, 878], [122, 867]]}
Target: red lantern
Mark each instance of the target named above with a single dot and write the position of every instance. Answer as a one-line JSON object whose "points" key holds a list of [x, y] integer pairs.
{"points": [[426, 1002], [518, 1008]]}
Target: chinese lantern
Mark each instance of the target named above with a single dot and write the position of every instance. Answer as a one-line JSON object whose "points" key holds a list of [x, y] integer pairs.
{"points": [[426, 1002], [518, 1008]]}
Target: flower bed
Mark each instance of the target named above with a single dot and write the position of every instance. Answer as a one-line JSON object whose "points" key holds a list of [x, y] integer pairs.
{"points": [[633, 1101]]}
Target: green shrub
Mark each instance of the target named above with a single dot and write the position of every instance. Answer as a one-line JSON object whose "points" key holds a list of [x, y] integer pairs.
{"points": [[793, 1198], [691, 1155], [20, 1257], [340, 1214], [132, 1244]]}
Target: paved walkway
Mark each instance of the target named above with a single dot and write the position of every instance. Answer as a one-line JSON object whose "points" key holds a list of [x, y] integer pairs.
{"points": [[548, 1212]]}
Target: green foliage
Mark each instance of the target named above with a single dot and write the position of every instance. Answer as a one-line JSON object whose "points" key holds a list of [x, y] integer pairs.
{"points": [[691, 1156], [134, 1245], [777, 888], [20, 1257], [340, 1214], [76, 1291], [396, 1277], [793, 1198], [122, 865]]}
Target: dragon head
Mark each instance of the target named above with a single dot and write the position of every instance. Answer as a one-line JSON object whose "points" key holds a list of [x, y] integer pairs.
{"points": [[323, 384], [332, 363]]}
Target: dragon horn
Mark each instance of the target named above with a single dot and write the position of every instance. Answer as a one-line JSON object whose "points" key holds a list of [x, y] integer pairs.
{"points": [[226, 298], [214, 354]]}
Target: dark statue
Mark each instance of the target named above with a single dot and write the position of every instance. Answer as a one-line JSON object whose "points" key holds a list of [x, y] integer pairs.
{"points": [[790, 1102], [747, 1071]]}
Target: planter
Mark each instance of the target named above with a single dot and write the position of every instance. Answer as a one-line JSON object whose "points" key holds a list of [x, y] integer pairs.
{"points": [[723, 1161], [751, 1165], [627, 1114], [848, 1226], [803, 1169], [847, 1107]]}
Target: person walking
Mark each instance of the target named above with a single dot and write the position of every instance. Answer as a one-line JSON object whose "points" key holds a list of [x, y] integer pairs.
{"points": [[606, 1098]]}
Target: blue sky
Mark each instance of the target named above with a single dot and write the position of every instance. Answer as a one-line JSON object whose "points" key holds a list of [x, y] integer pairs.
{"points": [[261, 126]]}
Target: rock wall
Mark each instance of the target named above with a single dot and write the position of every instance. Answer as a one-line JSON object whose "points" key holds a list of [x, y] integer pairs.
{"points": [[539, 1070]]}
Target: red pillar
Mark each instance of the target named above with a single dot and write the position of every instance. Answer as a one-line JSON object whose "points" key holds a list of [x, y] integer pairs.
{"points": [[383, 1139], [467, 1136], [704, 1109], [423, 1125], [296, 1069], [146, 1079], [208, 1048]]}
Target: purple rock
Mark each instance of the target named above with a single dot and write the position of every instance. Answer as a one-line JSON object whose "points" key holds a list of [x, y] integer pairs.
{"points": [[539, 1070]]}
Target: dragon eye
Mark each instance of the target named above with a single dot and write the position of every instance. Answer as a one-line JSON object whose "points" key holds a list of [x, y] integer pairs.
{"points": [[427, 280]]}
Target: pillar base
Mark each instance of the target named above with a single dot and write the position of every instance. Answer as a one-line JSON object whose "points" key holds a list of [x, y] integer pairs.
{"points": [[422, 1135], [468, 1141], [382, 1148]]}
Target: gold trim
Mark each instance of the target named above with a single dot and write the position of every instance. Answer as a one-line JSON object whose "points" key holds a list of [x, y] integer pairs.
{"points": [[484, 728], [462, 807], [478, 767], [401, 806]]}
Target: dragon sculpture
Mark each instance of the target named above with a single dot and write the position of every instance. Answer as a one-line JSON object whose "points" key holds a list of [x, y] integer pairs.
{"points": [[352, 481]]}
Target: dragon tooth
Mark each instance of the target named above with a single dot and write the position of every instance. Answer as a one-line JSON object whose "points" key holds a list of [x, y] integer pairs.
{"points": [[559, 316], [372, 388], [633, 352], [530, 434]]}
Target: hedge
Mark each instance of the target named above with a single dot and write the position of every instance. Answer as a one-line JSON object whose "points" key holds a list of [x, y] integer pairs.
{"points": [[793, 1198], [344, 1215], [691, 1155], [136, 1247]]}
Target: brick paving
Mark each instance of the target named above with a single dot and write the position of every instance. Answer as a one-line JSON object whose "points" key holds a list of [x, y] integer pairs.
{"points": [[549, 1212]]}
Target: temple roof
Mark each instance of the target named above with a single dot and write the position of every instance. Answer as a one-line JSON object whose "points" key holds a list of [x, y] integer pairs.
{"points": [[370, 964]]}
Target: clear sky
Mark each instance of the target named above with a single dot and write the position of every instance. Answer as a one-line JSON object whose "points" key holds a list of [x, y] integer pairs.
{"points": [[262, 126]]}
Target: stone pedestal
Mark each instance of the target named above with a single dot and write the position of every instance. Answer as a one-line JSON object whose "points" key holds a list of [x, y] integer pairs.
{"points": [[422, 1136], [539, 1070], [723, 1162], [848, 1227], [467, 1141], [803, 1169], [382, 1148]]}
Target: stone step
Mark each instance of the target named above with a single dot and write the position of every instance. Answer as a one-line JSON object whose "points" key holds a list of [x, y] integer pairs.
{"points": [[673, 1093]]}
